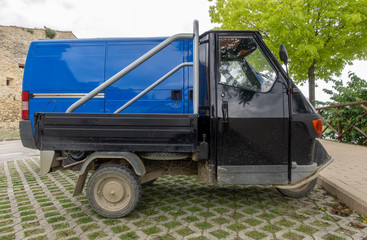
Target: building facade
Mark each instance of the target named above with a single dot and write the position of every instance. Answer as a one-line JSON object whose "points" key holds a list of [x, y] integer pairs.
{"points": [[14, 44]]}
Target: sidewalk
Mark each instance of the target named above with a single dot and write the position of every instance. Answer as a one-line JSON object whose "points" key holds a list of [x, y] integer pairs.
{"points": [[346, 177]]}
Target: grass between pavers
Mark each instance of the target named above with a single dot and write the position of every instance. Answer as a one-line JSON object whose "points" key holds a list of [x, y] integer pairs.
{"points": [[173, 207], [292, 236], [9, 134], [8, 237], [65, 233], [33, 231]]}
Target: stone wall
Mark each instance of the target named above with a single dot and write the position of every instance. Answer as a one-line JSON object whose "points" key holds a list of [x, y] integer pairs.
{"points": [[14, 44]]}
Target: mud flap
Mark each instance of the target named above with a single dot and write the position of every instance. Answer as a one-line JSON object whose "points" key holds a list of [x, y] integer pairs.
{"points": [[46, 160]]}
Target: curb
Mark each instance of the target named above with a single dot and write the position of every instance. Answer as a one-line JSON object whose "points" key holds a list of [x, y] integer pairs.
{"points": [[344, 193], [9, 139]]}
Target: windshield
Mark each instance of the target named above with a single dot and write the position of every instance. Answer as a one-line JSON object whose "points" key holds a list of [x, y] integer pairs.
{"points": [[242, 64]]}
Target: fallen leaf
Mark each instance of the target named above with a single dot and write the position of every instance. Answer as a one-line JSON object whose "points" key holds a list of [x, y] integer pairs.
{"points": [[341, 210], [356, 225]]}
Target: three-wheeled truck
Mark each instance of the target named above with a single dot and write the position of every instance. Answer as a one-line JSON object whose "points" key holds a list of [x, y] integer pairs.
{"points": [[217, 105]]}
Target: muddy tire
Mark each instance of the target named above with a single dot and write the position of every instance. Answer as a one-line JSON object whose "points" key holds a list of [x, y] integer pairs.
{"points": [[113, 191], [300, 191]]}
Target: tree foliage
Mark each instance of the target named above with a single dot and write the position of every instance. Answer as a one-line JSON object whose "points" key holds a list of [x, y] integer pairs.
{"points": [[354, 91], [321, 36], [50, 33]]}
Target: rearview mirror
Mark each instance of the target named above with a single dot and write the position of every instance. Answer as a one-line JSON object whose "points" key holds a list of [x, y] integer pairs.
{"points": [[283, 54]]}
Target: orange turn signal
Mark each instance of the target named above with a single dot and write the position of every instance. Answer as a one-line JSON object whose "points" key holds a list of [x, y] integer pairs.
{"points": [[317, 125]]}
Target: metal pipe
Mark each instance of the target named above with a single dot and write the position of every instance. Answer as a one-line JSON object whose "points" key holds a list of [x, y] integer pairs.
{"points": [[196, 67], [156, 83], [128, 69]]}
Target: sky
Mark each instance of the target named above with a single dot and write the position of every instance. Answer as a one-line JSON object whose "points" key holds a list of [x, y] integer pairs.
{"points": [[108, 18], [126, 18]]}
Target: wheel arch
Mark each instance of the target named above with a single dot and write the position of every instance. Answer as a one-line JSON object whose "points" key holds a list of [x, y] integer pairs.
{"points": [[133, 159]]}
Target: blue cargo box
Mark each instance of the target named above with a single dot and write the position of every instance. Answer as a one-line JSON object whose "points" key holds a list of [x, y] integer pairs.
{"points": [[59, 72]]}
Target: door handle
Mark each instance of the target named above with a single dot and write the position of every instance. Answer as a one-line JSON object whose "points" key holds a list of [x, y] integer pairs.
{"points": [[225, 111]]}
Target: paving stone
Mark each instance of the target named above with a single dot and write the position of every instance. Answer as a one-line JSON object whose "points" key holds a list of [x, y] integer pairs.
{"points": [[174, 207]]}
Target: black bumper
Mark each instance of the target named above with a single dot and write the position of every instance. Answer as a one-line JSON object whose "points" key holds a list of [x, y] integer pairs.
{"points": [[26, 134]]}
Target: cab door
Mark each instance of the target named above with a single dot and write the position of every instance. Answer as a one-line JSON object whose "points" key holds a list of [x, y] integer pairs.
{"points": [[252, 137]]}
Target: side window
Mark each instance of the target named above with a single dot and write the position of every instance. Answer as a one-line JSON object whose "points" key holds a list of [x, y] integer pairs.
{"points": [[243, 65]]}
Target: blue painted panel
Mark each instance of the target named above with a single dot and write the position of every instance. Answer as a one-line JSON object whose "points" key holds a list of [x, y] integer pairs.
{"points": [[155, 101], [64, 67], [189, 102], [121, 53], [189, 78]]}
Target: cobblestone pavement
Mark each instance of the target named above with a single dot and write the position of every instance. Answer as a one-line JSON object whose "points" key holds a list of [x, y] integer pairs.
{"points": [[180, 207], [346, 177]]}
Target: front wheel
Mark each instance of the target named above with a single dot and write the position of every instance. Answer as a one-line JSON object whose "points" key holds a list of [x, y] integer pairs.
{"points": [[113, 191], [300, 191]]}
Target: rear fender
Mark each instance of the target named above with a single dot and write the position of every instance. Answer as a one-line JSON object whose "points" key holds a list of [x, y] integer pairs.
{"points": [[131, 158]]}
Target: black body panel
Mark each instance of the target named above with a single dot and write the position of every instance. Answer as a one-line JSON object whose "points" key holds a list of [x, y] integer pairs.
{"points": [[116, 132], [207, 108], [320, 155], [303, 134], [248, 127], [302, 144], [250, 123], [253, 134]]}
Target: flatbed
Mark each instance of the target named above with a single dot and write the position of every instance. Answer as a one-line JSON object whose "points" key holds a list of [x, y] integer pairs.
{"points": [[116, 132]]}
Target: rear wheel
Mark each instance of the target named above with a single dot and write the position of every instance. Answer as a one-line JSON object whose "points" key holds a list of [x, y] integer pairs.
{"points": [[113, 191], [300, 191]]}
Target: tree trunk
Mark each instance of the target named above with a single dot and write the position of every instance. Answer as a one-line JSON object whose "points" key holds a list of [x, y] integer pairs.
{"points": [[311, 83]]}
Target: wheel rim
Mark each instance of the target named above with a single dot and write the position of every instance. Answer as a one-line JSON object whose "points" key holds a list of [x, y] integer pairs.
{"points": [[112, 193]]}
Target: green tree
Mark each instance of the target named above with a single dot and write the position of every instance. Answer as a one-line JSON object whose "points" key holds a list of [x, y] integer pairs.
{"points": [[50, 33], [354, 91], [321, 36]]}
